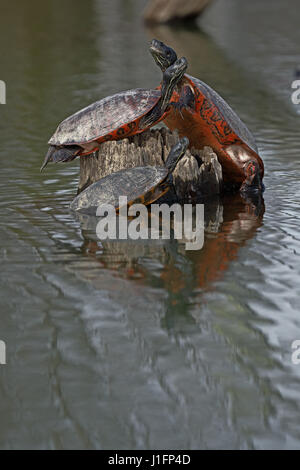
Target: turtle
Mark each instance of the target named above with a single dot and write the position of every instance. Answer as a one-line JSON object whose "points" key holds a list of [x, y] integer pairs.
{"points": [[206, 119], [141, 185], [113, 118]]}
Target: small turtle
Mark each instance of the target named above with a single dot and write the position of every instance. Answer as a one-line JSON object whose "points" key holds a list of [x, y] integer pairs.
{"points": [[141, 185], [206, 119], [113, 118]]}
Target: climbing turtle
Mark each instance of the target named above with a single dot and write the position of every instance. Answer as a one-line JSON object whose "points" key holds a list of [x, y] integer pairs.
{"points": [[141, 185], [202, 115], [113, 118]]}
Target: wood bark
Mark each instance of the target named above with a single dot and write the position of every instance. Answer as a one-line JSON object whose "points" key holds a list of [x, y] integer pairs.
{"points": [[198, 174], [165, 11]]}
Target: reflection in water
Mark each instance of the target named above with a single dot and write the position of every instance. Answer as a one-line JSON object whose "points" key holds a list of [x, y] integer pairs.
{"points": [[240, 220], [167, 310], [228, 225]]}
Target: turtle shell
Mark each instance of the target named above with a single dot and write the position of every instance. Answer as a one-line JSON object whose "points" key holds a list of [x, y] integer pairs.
{"points": [[232, 119], [139, 184], [105, 116]]}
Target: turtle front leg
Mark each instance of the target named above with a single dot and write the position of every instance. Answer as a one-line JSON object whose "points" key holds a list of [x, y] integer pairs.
{"points": [[186, 100], [252, 181]]}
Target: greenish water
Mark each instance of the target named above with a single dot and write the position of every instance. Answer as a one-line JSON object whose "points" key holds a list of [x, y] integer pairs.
{"points": [[123, 345]]}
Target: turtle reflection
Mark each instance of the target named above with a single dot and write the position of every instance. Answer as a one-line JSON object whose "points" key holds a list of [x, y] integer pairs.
{"points": [[229, 223]]}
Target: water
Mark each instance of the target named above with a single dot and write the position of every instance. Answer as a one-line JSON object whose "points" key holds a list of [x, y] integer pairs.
{"points": [[119, 345]]}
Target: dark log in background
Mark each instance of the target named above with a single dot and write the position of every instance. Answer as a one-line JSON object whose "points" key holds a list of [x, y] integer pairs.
{"points": [[198, 174], [166, 11]]}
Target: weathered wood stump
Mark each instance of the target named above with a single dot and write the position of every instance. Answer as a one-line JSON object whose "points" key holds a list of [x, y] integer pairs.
{"points": [[197, 175], [165, 11]]}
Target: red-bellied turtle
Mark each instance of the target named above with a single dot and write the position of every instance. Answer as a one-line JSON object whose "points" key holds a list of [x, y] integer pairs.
{"points": [[113, 118], [142, 185], [206, 119]]}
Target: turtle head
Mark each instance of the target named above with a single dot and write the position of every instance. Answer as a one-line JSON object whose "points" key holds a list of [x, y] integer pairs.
{"points": [[171, 77], [176, 153], [163, 55]]}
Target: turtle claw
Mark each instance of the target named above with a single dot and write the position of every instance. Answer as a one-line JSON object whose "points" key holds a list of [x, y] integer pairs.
{"points": [[252, 183], [178, 108]]}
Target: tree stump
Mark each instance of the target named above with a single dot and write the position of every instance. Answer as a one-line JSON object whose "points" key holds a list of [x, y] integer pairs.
{"points": [[198, 174], [165, 11]]}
